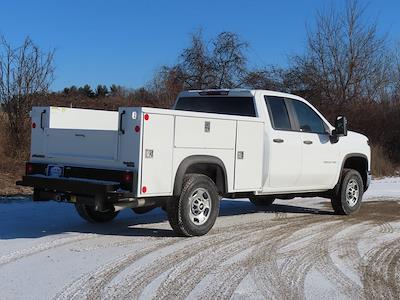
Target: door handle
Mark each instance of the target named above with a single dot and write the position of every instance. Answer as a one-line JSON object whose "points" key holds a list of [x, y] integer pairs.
{"points": [[307, 142], [278, 140]]}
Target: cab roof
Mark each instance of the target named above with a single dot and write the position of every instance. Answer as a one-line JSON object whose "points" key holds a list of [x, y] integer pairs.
{"points": [[236, 93]]}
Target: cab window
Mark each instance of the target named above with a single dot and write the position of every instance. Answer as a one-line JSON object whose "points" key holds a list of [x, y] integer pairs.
{"points": [[278, 113], [239, 106], [308, 119]]}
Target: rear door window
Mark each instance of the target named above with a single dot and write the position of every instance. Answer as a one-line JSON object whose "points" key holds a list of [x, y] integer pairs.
{"points": [[278, 113], [240, 106]]}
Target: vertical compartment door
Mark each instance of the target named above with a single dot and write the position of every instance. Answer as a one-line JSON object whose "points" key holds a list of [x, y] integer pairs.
{"points": [[249, 156], [157, 150]]}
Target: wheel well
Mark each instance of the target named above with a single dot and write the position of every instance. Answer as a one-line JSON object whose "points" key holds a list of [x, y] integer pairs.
{"points": [[359, 164], [213, 171], [210, 166]]}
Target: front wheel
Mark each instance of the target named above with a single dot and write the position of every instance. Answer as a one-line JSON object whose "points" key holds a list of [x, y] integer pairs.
{"points": [[195, 211], [91, 215], [348, 198]]}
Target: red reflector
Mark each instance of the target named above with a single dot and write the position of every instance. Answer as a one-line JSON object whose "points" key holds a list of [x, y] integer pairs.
{"points": [[137, 128], [29, 169], [33, 125], [144, 189], [146, 117], [128, 177]]}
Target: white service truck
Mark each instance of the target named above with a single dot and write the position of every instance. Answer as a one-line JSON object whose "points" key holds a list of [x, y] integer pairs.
{"points": [[256, 144]]}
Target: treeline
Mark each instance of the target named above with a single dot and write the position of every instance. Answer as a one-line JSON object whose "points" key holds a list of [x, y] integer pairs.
{"points": [[348, 68]]}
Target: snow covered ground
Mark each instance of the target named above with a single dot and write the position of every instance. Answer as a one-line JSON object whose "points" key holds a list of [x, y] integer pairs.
{"points": [[294, 249]]}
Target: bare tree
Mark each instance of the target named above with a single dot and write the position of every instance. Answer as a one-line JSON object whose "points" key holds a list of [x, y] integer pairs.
{"points": [[397, 72], [228, 60], [167, 83], [219, 63], [267, 78], [26, 73], [346, 58], [196, 64]]}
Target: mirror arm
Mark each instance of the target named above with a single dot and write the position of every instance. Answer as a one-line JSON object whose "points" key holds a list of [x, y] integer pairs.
{"points": [[333, 137]]}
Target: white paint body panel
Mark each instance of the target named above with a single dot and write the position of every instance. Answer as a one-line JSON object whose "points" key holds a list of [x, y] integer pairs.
{"points": [[158, 137], [76, 118], [249, 156], [190, 133]]}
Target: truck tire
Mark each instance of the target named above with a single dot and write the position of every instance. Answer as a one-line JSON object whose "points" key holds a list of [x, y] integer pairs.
{"points": [[195, 211], [262, 201], [36, 194], [347, 200], [89, 214]]}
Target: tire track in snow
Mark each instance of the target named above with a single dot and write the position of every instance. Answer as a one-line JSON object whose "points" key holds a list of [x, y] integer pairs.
{"points": [[198, 270], [133, 285], [92, 283], [89, 285], [23, 253], [381, 275]]}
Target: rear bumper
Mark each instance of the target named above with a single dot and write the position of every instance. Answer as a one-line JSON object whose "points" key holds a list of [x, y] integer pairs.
{"points": [[69, 185], [100, 194]]}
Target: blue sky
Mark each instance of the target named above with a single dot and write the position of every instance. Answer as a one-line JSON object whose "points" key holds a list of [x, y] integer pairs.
{"points": [[125, 42]]}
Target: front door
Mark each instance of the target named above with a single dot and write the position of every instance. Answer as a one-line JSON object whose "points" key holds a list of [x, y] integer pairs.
{"points": [[319, 154]]}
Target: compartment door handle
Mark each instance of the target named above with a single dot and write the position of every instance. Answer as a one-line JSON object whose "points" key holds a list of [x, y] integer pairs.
{"points": [[278, 140], [120, 122]]}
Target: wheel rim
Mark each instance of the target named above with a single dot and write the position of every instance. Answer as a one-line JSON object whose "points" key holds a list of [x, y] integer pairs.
{"points": [[352, 192], [200, 206]]}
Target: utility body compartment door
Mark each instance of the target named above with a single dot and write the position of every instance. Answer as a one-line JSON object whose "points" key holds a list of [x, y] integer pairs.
{"points": [[157, 154], [194, 132], [249, 156]]}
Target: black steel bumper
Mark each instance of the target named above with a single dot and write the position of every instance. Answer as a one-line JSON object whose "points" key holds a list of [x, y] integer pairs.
{"points": [[69, 185]]}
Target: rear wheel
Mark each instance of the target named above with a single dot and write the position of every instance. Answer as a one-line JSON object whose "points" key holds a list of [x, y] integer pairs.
{"points": [[195, 211], [348, 198], [36, 194], [91, 215], [262, 201]]}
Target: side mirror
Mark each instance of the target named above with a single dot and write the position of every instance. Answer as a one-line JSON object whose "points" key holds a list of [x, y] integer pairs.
{"points": [[340, 126]]}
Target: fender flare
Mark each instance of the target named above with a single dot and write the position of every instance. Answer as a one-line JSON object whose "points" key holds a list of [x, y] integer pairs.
{"points": [[347, 156], [197, 159]]}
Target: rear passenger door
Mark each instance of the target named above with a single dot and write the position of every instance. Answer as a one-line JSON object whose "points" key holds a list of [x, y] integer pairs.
{"points": [[284, 145], [320, 156]]}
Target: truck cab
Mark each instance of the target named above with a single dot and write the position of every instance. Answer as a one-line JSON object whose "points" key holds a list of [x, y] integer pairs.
{"points": [[213, 143], [302, 150]]}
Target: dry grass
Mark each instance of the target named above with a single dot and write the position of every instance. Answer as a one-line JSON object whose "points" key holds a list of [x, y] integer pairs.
{"points": [[11, 169], [381, 165]]}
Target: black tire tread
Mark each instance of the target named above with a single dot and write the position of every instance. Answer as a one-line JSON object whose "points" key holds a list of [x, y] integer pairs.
{"points": [[337, 198], [89, 214], [174, 205]]}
